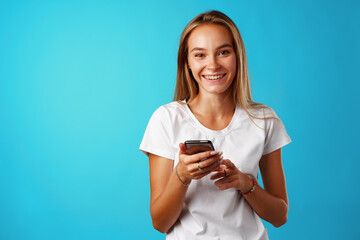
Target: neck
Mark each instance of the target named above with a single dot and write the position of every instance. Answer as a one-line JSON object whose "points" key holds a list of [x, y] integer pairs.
{"points": [[213, 105]]}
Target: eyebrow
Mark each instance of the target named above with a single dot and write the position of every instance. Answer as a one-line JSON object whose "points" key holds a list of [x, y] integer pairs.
{"points": [[222, 46]]}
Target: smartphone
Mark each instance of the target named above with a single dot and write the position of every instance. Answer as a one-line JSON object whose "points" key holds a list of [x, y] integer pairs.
{"points": [[196, 146]]}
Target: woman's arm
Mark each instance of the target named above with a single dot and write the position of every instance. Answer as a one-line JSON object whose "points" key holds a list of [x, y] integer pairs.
{"points": [[167, 192], [271, 203]]}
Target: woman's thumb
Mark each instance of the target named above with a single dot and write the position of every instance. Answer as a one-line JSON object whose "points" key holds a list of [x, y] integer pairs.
{"points": [[182, 148]]}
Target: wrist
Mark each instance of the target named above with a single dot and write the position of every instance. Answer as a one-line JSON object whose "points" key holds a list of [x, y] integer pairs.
{"points": [[251, 187], [183, 180]]}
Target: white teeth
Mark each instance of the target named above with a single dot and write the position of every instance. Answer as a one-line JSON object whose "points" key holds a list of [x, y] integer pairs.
{"points": [[214, 77]]}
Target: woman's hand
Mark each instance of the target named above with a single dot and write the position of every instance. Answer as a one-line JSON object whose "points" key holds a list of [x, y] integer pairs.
{"points": [[231, 177], [193, 167]]}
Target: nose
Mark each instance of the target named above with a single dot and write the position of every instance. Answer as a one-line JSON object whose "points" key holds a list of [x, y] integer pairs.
{"points": [[213, 63]]}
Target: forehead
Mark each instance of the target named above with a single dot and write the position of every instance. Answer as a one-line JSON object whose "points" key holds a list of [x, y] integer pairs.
{"points": [[209, 36]]}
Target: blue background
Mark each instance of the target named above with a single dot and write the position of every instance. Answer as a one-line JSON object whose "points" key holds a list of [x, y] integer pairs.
{"points": [[79, 81]]}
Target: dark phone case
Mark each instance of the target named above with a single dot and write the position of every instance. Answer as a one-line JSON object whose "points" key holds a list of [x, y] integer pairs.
{"points": [[196, 146]]}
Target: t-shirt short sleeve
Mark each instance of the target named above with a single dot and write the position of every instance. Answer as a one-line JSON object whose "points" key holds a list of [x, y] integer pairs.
{"points": [[157, 137], [276, 135]]}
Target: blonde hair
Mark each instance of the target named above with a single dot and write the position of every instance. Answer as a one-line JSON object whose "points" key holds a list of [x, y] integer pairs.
{"points": [[186, 86]]}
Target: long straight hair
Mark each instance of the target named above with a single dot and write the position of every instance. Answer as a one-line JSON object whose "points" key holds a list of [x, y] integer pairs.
{"points": [[187, 88]]}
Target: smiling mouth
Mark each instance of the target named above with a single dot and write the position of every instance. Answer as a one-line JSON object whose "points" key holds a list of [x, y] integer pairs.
{"points": [[214, 77]]}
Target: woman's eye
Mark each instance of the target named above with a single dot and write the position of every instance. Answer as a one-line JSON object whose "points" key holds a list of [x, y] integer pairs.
{"points": [[199, 55], [224, 52]]}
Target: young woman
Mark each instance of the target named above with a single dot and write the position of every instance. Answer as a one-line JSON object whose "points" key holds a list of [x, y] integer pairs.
{"points": [[219, 197]]}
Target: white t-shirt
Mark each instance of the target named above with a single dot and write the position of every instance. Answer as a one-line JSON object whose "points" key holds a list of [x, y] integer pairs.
{"points": [[209, 213]]}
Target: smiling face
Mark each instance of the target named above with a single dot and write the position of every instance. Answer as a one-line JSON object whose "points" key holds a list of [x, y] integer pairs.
{"points": [[211, 58]]}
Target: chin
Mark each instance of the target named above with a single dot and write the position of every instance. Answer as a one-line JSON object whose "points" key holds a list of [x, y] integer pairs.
{"points": [[216, 90]]}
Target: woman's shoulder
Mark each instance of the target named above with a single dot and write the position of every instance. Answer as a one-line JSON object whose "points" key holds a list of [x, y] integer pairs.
{"points": [[172, 107], [170, 110], [260, 110]]}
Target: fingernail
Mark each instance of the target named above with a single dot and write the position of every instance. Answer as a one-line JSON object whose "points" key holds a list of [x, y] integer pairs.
{"points": [[220, 152], [213, 153]]}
